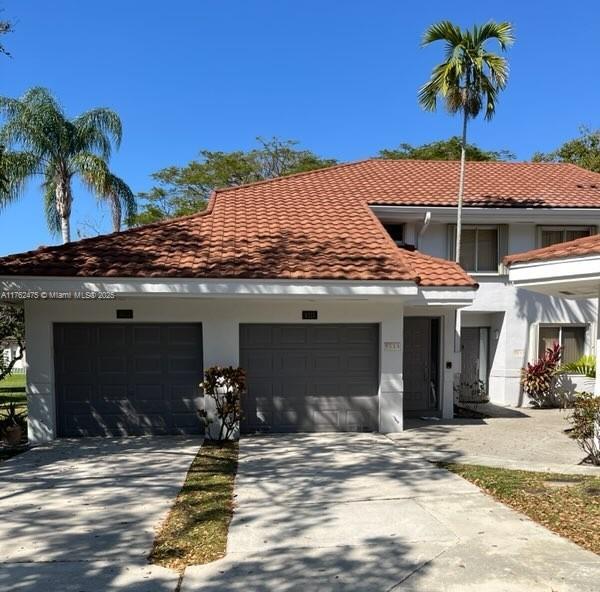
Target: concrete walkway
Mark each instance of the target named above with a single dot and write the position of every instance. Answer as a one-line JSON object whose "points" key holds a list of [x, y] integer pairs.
{"points": [[527, 439], [353, 512], [80, 516]]}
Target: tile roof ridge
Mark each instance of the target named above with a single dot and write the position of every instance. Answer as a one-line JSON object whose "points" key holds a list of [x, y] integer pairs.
{"points": [[158, 223], [293, 175]]}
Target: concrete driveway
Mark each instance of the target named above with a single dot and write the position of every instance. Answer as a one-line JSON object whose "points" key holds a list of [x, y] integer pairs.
{"points": [[353, 512], [527, 439], [80, 515]]}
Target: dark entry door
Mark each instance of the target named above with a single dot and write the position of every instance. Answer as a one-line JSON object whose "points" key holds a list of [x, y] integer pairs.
{"points": [[420, 364], [116, 379], [310, 378]]}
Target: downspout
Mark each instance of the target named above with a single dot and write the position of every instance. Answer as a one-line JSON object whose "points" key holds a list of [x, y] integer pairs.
{"points": [[424, 227]]}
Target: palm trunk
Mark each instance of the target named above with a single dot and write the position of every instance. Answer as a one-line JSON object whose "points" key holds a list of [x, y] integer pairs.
{"points": [[65, 229], [461, 186], [116, 212], [63, 207]]}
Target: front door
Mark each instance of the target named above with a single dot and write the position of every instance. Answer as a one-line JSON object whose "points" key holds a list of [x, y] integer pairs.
{"points": [[420, 361]]}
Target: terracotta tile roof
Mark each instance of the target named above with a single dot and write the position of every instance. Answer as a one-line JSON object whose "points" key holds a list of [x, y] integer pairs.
{"points": [[313, 225], [588, 245]]}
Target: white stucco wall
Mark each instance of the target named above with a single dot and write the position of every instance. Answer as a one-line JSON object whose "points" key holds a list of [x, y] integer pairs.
{"points": [[511, 313], [220, 318]]}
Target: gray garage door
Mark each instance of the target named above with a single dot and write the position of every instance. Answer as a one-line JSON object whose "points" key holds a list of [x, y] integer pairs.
{"points": [[127, 379], [310, 378]]}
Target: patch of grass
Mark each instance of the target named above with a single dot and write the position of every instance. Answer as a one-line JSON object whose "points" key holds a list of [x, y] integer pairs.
{"points": [[566, 504], [16, 382], [13, 380], [195, 530]]}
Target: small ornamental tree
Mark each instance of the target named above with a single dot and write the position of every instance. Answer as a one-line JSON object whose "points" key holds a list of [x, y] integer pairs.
{"points": [[538, 379], [225, 387], [585, 420], [12, 328]]}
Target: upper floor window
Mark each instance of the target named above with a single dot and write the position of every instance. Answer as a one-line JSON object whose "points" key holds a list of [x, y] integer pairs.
{"points": [[396, 231], [571, 338], [551, 235], [482, 247], [479, 248]]}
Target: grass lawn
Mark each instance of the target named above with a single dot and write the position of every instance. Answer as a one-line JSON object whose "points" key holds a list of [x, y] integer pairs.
{"points": [[17, 382], [566, 504], [195, 530], [13, 380]]}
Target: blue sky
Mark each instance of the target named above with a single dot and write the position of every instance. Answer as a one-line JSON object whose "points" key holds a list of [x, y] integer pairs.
{"points": [[340, 76]]}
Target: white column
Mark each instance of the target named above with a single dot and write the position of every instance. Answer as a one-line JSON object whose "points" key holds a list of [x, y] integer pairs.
{"points": [[391, 385]]}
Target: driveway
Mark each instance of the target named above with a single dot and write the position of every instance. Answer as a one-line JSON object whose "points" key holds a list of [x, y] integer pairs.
{"points": [[80, 515], [528, 439], [353, 512]]}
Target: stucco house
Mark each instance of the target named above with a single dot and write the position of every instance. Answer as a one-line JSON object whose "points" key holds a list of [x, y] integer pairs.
{"points": [[9, 350], [335, 290]]}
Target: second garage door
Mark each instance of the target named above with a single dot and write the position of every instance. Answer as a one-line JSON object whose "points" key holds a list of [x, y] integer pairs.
{"points": [[310, 378], [116, 379]]}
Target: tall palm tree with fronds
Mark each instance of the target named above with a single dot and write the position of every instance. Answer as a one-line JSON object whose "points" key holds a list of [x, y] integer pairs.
{"points": [[469, 80], [45, 142]]}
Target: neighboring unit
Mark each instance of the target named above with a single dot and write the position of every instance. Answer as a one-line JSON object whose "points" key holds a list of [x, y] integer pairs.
{"points": [[335, 290]]}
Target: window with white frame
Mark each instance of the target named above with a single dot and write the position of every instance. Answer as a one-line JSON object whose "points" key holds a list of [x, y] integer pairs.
{"points": [[552, 235], [479, 248], [571, 338]]}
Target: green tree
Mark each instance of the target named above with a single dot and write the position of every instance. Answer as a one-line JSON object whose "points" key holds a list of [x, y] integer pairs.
{"points": [[444, 150], [12, 329], [583, 151], [45, 142], [468, 80], [184, 190]]}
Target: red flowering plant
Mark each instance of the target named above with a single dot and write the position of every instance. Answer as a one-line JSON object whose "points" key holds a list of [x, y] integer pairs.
{"points": [[539, 378]]}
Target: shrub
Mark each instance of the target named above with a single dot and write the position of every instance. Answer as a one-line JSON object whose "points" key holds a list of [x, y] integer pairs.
{"points": [[585, 365], [585, 419], [538, 379], [225, 387]]}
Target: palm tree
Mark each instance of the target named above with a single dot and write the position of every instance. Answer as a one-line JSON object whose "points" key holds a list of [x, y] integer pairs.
{"points": [[58, 149], [468, 80]]}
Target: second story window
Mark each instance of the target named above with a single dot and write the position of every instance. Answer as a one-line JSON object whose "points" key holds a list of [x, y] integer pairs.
{"points": [[479, 249], [552, 235], [396, 232]]}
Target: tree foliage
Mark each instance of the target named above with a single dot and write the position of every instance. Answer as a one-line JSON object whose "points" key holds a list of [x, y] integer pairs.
{"points": [[444, 150], [44, 142], [470, 77], [184, 190], [12, 328], [583, 151]]}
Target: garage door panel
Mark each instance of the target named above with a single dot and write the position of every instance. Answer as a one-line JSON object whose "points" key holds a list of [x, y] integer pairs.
{"points": [[111, 336], [325, 335], [286, 336], [111, 365], [308, 378], [150, 386], [182, 364], [147, 335], [293, 362]]}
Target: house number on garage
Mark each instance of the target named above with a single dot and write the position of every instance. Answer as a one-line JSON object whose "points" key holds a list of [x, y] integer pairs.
{"points": [[392, 345], [310, 315]]}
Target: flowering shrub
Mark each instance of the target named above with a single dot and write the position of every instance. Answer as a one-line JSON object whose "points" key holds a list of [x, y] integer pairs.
{"points": [[225, 387], [585, 419], [538, 379]]}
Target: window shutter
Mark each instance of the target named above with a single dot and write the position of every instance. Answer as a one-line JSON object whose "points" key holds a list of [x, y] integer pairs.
{"points": [[451, 241], [502, 247]]}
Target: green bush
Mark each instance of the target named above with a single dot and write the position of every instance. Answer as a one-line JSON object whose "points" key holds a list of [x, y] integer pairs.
{"points": [[585, 421], [585, 365]]}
